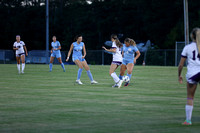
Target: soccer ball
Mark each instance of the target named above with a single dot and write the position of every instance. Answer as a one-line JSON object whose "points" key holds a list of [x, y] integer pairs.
{"points": [[126, 79]]}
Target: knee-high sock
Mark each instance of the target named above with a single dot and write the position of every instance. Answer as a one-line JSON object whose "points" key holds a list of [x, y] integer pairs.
{"points": [[129, 75], [90, 75], [115, 77], [50, 66], [63, 66], [188, 111], [23, 67], [18, 67], [120, 77], [79, 73]]}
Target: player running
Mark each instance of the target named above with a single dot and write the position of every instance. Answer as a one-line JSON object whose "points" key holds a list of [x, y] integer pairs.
{"points": [[79, 59], [20, 48], [129, 50], [117, 59], [55, 52], [191, 53]]}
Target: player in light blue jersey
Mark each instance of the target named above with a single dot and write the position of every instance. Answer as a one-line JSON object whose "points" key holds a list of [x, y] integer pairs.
{"points": [[55, 52], [79, 59], [129, 58]]}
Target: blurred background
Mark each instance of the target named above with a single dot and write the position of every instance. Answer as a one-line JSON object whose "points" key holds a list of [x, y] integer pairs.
{"points": [[157, 26]]}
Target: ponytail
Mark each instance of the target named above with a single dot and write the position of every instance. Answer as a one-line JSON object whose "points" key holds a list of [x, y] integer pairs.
{"points": [[117, 41], [132, 42]]}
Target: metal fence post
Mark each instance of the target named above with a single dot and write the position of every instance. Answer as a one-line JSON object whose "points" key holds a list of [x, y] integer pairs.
{"points": [[102, 57]]}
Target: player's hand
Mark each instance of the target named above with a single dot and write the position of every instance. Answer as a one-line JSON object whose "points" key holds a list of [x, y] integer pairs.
{"points": [[51, 51], [67, 59], [83, 57], [104, 48], [26, 54], [55, 49], [135, 61], [180, 79]]}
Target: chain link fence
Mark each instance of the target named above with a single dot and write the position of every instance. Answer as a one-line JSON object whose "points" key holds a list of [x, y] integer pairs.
{"points": [[158, 57]]}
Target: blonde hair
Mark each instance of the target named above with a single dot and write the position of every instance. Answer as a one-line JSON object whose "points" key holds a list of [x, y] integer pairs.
{"points": [[195, 36], [132, 42]]}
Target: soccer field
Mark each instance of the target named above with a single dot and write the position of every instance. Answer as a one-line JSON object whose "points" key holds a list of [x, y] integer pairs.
{"points": [[40, 101]]}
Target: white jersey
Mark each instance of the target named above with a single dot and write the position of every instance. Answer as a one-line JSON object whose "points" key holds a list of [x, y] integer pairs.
{"points": [[20, 45], [193, 59], [117, 56]]}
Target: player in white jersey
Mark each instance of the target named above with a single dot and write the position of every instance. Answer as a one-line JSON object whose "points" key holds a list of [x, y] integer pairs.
{"points": [[20, 48], [191, 53], [117, 59]]}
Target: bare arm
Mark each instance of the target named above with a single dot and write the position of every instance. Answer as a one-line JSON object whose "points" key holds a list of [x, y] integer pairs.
{"points": [[70, 51], [26, 50], [113, 50], [137, 56], [59, 48], [180, 68], [14, 48], [84, 51]]}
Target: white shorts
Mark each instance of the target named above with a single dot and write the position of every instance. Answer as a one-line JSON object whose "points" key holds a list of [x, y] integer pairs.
{"points": [[193, 79]]}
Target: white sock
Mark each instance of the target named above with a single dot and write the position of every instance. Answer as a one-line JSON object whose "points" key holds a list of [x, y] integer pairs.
{"points": [[18, 67], [188, 111], [23, 66], [115, 77]]}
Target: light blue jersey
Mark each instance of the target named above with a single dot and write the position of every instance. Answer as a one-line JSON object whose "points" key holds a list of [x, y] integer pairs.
{"points": [[56, 53], [129, 53], [77, 51]]}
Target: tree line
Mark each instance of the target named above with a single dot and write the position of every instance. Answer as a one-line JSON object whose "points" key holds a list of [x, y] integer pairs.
{"points": [[162, 22]]}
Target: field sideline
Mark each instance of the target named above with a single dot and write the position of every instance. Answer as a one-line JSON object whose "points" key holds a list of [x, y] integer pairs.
{"points": [[40, 101]]}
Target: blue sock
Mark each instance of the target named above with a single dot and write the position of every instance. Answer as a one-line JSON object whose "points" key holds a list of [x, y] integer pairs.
{"points": [[79, 73], [120, 77], [129, 75], [50, 67], [90, 75], [63, 66]]}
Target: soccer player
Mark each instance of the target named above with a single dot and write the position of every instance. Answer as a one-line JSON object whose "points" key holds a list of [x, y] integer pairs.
{"points": [[129, 50], [191, 53], [79, 59], [55, 52], [117, 59], [20, 48]]}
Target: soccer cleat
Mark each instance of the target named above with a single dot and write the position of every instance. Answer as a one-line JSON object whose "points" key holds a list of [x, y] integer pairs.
{"points": [[94, 82], [63, 70], [126, 84], [115, 85], [119, 84], [79, 82], [50, 70], [187, 122], [22, 72]]}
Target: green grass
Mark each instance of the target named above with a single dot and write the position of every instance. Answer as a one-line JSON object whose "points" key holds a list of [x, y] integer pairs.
{"points": [[40, 101]]}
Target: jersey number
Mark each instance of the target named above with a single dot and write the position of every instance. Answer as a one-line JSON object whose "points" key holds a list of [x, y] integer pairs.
{"points": [[194, 55]]}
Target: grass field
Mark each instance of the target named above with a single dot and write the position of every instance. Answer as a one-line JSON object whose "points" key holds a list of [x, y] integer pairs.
{"points": [[40, 101]]}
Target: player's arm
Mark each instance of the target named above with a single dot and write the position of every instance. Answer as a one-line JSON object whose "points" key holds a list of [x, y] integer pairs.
{"points": [[113, 50], [59, 48], [26, 50], [137, 56], [70, 51], [180, 68], [84, 51], [15, 48]]}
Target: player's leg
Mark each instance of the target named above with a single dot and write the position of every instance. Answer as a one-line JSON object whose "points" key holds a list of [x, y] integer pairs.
{"points": [[62, 64], [87, 68], [79, 64], [122, 71], [18, 63], [23, 62], [51, 63], [112, 73], [130, 69], [191, 88]]}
